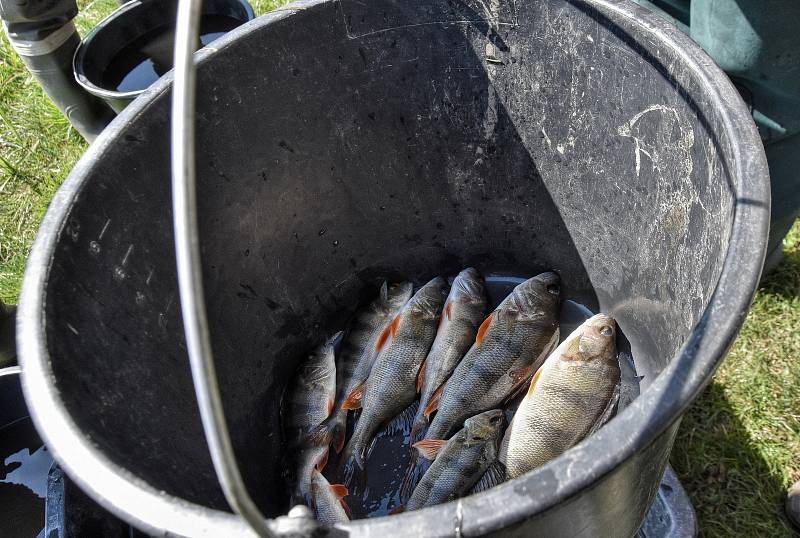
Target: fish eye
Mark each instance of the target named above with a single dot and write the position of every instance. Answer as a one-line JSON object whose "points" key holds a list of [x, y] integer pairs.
{"points": [[605, 330], [494, 419], [554, 289]]}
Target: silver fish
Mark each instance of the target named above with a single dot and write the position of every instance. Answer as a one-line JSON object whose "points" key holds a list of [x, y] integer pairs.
{"points": [[464, 310], [358, 354], [309, 401], [329, 505], [510, 345], [391, 386], [570, 396], [460, 462]]}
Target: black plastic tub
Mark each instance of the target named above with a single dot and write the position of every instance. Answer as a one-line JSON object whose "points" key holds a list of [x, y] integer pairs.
{"points": [[342, 142], [131, 48]]}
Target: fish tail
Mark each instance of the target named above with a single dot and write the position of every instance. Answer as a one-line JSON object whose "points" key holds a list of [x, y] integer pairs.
{"points": [[419, 425], [438, 428], [321, 435], [402, 422], [410, 479], [351, 460]]}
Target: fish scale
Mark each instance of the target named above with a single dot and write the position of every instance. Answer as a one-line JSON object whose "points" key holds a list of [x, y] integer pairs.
{"points": [[464, 310], [461, 462], [358, 350], [309, 403], [391, 386], [328, 506], [568, 398], [520, 333]]}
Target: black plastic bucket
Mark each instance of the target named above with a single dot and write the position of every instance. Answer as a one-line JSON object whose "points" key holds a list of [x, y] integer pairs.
{"points": [[131, 48], [342, 142]]}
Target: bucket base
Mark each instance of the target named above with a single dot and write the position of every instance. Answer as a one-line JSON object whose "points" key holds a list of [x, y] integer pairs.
{"points": [[671, 514]]}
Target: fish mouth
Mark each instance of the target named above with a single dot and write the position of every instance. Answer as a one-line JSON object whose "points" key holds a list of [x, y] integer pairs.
{"points": [[469, 282]]}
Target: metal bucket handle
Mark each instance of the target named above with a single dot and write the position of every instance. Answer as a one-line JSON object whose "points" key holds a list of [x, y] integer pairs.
{"points": [[190, 278]]}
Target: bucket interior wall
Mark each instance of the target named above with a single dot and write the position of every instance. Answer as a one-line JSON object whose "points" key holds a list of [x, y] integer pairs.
{"points": [[345, 144]]}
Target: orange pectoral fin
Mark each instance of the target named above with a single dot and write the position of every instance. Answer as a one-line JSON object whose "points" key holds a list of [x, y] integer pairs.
{"points": [[482, 329], [534, 380], [518, 378], [448, 311], [389, 330], [421, 375], [339, 490], [433, 404], [382, 338], [397, 510], [429, 448], [330, 407], [353, 400]]}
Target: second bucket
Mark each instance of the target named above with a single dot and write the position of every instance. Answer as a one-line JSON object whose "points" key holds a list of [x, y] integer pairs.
{"points": [[133, 47]]}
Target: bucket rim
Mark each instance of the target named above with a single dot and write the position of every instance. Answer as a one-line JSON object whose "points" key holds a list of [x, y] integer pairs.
{"points": [[78, 59], [681, 381]]}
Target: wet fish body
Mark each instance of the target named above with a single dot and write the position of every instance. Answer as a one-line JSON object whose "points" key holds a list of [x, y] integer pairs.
{"points": [[461, 461], [391, 386], [510, 345], [572, 394], [329, 505], [309, 402], [358, 353], [464, 310]]}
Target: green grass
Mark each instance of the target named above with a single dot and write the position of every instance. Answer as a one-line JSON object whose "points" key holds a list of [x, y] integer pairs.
{"points": [[738, 448]]}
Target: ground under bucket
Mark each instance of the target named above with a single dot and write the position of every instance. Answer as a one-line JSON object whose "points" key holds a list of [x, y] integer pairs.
{"points": [[341, 143]]}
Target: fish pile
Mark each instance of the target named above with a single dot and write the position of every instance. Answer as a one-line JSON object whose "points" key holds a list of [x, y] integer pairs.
{"points": [[465, 366]]}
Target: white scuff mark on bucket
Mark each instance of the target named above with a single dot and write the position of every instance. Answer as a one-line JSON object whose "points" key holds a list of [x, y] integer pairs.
{"points": [[127, 254], [547, 139], [103, 231], [686, 141]]}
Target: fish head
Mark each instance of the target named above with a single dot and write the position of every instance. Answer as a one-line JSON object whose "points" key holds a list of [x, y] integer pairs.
{"points": [[398, 294], [536, 297], [596, 340], [319, 367], [485, 427], [468, 286], [429, 299]]}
